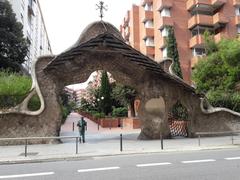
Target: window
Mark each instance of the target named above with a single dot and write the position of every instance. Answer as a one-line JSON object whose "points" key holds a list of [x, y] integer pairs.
{"points": [[148, 24], [164, 32], [149, 41], [198, 52], [164, 51], [165, 12], [238, 29], [237, 10], [148, 7]]}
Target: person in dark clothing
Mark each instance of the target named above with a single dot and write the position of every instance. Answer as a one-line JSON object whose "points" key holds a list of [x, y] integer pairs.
{"points": [[82, 126]]}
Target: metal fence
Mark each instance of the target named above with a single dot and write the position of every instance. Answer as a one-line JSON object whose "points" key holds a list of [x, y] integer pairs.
{"points": [[26, 139], [230, 133]]}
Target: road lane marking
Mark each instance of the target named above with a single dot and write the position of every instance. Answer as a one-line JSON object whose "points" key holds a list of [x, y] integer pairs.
{"points": [[198, 161], [98, 169], [153, 164], [26, 175], [232, 158]]}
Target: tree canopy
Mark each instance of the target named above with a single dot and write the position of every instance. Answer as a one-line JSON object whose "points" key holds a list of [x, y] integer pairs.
{"points": [[13, 46], [218, 74]]}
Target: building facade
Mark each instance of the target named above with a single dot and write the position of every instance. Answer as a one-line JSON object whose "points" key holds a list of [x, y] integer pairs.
{"points": [[145, 27], [29, 13]]}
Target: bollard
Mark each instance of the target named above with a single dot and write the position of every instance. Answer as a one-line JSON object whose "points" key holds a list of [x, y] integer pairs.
{"points": [[73, 127], [161, 138], [98, 125], [232, 140], [121, 145], [199, 140], [76, 145], [26, 142]]}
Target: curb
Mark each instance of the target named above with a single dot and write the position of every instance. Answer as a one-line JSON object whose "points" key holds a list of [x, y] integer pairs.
{"points": [[93, 156]]}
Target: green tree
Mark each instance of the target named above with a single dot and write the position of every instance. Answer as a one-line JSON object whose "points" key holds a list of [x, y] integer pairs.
{"points": [[13, 46], [218, 74], [104, 97], [172, 52], [124, 95]]}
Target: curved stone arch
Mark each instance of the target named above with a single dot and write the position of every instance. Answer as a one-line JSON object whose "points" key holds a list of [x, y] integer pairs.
{"points": [[101, 47]]}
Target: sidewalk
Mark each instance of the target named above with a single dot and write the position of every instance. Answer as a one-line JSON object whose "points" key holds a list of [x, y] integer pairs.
{"points": [[106, 142]]}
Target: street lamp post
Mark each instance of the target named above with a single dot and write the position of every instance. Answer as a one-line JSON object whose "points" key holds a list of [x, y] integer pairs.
{"points": [[99, 108]]}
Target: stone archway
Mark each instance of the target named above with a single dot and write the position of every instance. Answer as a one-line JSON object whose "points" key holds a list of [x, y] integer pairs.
{"points": [[101, 47]]}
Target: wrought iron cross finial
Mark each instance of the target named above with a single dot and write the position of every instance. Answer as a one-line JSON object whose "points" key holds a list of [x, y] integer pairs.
{"points": [[101, 7]]}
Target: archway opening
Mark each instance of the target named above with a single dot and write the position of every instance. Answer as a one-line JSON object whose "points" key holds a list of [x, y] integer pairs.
{"points": [[106, 105]]}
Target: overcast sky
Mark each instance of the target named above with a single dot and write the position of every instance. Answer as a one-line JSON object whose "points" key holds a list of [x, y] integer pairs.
{"points": [[65, 19]]}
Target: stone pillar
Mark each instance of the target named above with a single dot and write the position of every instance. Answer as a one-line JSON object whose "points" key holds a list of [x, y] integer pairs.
{"points": [[154, 121]]}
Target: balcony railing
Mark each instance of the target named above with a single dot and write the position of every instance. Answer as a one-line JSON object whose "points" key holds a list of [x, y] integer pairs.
{"points": [[214, 3], [196, 41], [162, 42], [164, 4], [236, 2], [165, 21], [149, 32], [150, 51], [218, 37], [237, 20], [148, 15], [200, 19], [146, 2], [219, 18], [218, 2], [193, 3]]}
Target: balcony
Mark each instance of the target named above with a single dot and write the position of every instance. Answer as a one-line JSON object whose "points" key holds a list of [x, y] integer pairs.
{"points": [[199, 19], [196, 41], [219, 36], [219, 19], [148, 15], [165, 21], [127, 33], [218, 3], [164, 4], [146, 2], [236, 2], [148, 32], [150, 51], [192, 3], [163, 42], [237, 20]]}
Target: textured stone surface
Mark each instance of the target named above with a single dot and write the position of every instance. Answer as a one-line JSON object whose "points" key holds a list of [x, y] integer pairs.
{"points": [[100, 49]]}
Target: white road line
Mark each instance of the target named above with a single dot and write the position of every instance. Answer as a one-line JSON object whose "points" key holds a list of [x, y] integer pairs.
{"points": [[199, 161], [26, 175], [232, 158], [153, 164], [98, 169]]}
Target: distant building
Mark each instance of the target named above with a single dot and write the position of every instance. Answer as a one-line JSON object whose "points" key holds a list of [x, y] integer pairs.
{"points": [[145, 27], [29, 13]]}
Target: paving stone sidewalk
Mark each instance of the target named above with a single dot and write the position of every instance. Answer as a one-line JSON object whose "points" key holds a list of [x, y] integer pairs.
{"points": [[105, 142]]}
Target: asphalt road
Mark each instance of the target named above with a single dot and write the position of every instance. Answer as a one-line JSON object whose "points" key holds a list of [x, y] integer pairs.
{"points": [[197, 165]]}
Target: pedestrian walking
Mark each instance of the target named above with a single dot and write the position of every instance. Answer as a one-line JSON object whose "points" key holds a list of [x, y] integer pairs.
{"points": [[82, 126]]}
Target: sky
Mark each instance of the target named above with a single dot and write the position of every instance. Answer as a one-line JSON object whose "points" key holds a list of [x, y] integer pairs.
{"points": [[66, 19]]}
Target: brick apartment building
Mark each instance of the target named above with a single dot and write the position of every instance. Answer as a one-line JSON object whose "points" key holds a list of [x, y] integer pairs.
{"points": [[144, 27]]}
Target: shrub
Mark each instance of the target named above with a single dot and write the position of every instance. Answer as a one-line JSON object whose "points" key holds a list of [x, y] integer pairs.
{"points": [[223, 99], [120, 112], [98, 115], [13, 88], [34, 103]]}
